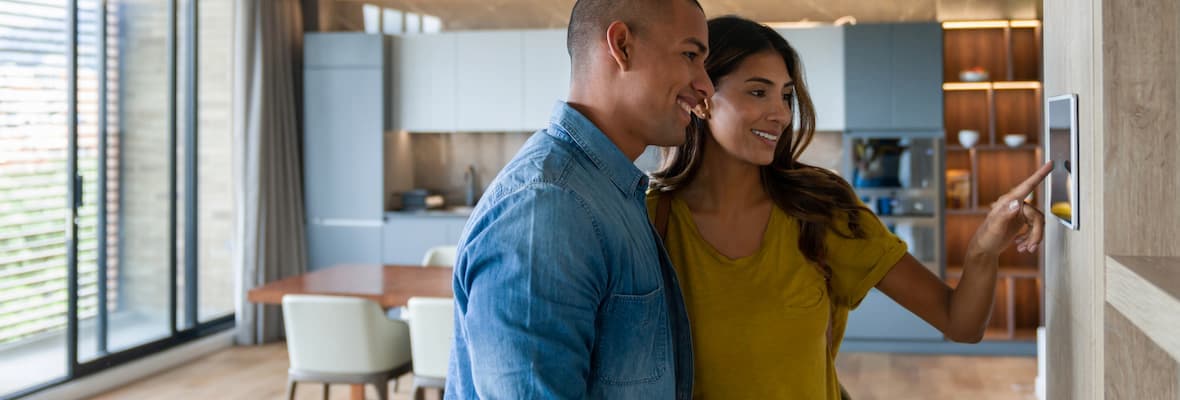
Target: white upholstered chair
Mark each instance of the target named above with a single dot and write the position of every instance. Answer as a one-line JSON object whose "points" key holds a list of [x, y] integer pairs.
{"points": [[440, 256], [431, 331], [332, 339]]}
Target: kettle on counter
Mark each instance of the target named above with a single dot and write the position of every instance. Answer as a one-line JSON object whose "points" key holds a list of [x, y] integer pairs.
{"points": [[471, 187]]}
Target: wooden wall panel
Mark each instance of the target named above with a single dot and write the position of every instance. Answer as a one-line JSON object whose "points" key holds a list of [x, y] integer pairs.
{"points": [[1074, 284], [1142, 88]]}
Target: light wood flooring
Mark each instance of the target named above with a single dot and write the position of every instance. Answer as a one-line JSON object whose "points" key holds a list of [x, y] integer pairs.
{"points": [[259, 372]]}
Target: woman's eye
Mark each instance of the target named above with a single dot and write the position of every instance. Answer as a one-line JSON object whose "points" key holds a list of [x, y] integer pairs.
{"points": [[758, 93], [691, 56], [789, 98]]}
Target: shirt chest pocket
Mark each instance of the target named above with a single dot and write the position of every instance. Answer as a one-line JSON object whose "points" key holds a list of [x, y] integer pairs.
{"points": [[632, 344]]}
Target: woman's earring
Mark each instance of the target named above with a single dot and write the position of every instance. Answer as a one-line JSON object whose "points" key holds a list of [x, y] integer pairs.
{"points": [[704, 110]]}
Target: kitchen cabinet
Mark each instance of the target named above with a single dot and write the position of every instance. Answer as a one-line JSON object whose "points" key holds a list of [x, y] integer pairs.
{"points": [[489, 77], [893, 74], [345, 99], [822, 52], [546, 75], [343, 157], [425, 100], [331, 243], [880, 318], [405, 238]]}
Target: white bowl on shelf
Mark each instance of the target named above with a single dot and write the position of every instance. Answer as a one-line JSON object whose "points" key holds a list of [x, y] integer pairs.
{"points": [[968, 138], [1014, 139]]}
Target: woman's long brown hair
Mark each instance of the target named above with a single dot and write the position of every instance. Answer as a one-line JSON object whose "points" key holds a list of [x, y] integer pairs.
{"points": [[813, 196]]}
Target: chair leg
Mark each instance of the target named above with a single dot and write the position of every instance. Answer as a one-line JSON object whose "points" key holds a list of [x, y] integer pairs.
{"points": [[395, 380], [419, 392], [325, 391], [290, 388], [382, 389], [442, 393]]}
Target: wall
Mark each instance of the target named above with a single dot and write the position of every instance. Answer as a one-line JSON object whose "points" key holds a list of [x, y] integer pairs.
{"points": [[1104, 339], [439, 161], [1141, 85]]}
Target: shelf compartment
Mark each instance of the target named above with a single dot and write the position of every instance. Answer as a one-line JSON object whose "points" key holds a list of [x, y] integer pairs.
{"points": [[1016, 313], [1018, 111], [967, 110], [966, 48], [1025, 50], [1000, 171], [1147, 291], [959, 230]]}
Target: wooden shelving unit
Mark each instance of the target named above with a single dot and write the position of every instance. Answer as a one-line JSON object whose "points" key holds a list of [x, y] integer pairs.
{"points": [[1009, 102]]}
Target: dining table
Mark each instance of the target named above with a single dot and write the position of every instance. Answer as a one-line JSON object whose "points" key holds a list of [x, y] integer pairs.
{"points": [[389, 285]]}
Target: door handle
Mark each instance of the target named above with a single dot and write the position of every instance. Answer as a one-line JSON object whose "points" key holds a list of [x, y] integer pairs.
{"points": [[78, 181]]}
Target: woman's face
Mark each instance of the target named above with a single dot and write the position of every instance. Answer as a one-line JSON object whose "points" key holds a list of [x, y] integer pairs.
{"points": [[752, 108]]}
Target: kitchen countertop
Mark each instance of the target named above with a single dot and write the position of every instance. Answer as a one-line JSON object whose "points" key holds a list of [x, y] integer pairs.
{"points": [[454, 212]]}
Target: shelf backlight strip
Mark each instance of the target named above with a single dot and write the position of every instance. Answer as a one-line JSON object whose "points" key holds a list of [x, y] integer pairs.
{"points": [[991, 85], [991, 24]]}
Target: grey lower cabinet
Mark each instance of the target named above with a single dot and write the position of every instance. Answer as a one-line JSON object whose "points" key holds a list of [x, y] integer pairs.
{"points": [[880, 318], [406, 238], [334, 244]]}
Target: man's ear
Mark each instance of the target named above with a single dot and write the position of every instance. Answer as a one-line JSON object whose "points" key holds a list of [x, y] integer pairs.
{"points": [[621, 43]]}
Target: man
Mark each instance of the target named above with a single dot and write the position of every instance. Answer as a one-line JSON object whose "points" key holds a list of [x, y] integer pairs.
{"points": [[561, 288]]}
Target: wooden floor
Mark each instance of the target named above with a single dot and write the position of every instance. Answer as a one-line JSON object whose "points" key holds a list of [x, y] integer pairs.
{"points": [[259, 372]]}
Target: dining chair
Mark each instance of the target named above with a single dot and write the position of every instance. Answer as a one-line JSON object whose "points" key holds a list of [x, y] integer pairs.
{"points": [[336, 339], [431, 332], [440, 256]]}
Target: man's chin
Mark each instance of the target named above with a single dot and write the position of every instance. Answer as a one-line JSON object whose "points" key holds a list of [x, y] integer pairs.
{"points": [[669, 142]]}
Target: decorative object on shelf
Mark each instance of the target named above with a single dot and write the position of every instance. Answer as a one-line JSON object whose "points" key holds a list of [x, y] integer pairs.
{"points": [[973, 74], [1014, 139], [968, 138], [958, 188]]}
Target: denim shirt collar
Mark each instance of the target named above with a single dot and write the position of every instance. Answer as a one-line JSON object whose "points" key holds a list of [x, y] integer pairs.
{"points": [[566, 123]]}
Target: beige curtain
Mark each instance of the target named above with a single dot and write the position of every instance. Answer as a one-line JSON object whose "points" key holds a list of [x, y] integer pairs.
{"points": [[267, 165]]}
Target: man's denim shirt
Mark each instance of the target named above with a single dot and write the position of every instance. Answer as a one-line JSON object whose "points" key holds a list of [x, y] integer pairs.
{"points": [[562, 290]]}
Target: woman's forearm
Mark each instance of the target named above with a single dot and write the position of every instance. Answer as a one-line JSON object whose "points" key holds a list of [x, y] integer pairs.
{"points": [[972, 300]]}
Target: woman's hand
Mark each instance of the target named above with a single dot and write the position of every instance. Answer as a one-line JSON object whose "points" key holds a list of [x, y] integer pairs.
{"points": [[1012, 219]]}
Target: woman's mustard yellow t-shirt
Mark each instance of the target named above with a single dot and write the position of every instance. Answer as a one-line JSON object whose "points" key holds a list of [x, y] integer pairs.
{"points": [[759, 322]]}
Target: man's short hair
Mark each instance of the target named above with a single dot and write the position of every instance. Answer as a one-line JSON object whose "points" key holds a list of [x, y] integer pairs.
{"points": [[590, 18]]}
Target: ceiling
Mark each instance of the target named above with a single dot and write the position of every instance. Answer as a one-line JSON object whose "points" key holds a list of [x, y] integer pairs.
{"points": [[536, 14]]}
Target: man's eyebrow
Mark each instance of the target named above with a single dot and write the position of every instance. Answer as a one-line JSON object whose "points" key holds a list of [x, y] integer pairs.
{"points": [[700, 45]]}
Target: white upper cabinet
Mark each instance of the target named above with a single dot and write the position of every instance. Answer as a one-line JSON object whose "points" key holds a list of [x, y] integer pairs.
{"points": [[546, 75], [489, 79], [822, 52], [425, 87], [507, 81]]}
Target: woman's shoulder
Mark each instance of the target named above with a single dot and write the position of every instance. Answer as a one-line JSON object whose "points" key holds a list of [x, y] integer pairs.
{"points": [[653, 199]]}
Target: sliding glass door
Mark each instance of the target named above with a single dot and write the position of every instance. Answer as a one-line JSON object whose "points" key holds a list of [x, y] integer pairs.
{"points": [[116, 210]]}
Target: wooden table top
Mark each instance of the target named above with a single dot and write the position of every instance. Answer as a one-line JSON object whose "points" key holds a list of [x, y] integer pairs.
{"points": [[388, 285]]}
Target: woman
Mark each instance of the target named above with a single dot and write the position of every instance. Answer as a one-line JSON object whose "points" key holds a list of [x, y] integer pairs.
{"points": [[772, 254]]}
